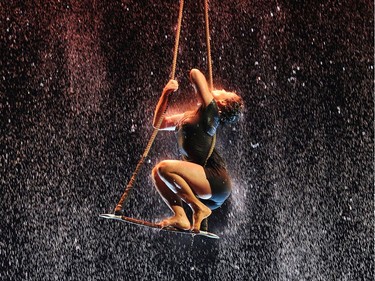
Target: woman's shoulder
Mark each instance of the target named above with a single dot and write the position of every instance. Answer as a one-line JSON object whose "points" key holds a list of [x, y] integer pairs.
{"points": [[211, 108], [210, 118]]}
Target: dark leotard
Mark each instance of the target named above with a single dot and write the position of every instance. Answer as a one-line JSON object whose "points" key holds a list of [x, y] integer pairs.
{"points": [[195, 133]]}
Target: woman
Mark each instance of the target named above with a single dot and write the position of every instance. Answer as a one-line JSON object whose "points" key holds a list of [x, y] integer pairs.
{"points": [[200, 179]]}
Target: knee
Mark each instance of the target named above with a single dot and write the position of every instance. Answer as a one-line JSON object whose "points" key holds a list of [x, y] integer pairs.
{"points": [[154, 173], [161, 169]]}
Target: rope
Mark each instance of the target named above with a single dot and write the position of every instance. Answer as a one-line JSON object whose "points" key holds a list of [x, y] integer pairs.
{"points": [[209, 61], [209, 64], [177, 39], [119, 207], [204, 224]]}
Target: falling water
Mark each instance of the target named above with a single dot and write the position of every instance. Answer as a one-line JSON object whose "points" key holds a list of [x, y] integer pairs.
{"points": [[79, 83]]}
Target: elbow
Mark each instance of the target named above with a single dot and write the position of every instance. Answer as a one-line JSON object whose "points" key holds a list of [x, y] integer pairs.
{"points": [[193, 74], [154, 125], [157, 126], [194, 71]]}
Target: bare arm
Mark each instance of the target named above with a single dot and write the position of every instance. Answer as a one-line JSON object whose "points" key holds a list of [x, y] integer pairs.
{"points": [[169, 122], [200, 82]]}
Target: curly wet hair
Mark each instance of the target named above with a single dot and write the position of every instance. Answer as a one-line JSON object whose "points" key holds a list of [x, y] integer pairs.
{"points": [[231, 111]]}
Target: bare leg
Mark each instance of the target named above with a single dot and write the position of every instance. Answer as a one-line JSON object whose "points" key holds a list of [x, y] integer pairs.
{"points": [[187, 181], [179, 219]]}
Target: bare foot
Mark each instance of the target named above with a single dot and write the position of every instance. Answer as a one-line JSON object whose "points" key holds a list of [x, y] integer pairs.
{"points": [[200, 212], [178, 221]]}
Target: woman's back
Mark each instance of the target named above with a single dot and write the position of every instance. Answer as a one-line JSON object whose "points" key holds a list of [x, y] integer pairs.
{"points": [[195, 133]]}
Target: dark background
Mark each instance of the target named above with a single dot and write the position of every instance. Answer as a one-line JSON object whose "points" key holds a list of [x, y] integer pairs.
{"points": [[79, 81]]}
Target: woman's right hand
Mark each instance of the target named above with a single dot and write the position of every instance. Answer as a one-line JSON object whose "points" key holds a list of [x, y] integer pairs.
{"points": [[172, 86]]}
